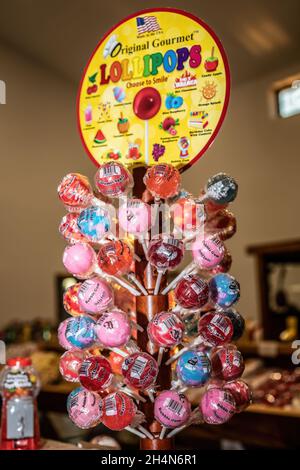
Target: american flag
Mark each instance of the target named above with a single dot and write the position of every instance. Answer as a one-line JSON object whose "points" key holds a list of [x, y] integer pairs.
{"points": [[146, 24]]}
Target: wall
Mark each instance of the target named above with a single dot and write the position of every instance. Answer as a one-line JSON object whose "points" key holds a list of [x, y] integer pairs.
{"points": [[39, 144]]}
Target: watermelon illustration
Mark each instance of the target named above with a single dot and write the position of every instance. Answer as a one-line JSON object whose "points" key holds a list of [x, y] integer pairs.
{"points": [[99, 137]]}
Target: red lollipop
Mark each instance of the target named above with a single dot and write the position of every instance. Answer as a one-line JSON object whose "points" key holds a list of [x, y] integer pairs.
{"points": [[227, 363], [95, 373], [140, 371], [215, 329], [146, 104], [241, 393], [191, 292]]}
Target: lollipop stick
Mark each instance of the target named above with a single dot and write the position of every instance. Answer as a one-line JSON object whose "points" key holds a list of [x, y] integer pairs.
{"points": [[177, 430], [144, 245], [136, 326], [163, 432], [146, 432], [134, 279], [160, 356], [177, 355], [137, 258], [158, 281], [119, 351], [126, 285], [147, 142], [131, 393], [150, 395], [134, 431], [177, 278]]}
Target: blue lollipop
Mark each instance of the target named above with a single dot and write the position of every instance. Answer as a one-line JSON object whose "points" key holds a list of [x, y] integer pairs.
{"points": [[80, 332], [94, 223], [224, 290], [193, 368]]}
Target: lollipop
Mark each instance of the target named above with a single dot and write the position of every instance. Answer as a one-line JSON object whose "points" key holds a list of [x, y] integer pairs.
{"points": [[69, 230], [237, 321], [165, 252], [214, 329], [69, 364], [217, 406], [227, 363], [146, 104], [171, 410], [224, 290], [165, 330], [84, 408], [135, 219], [193, 369], [71, 302], [188, 216], [94, 223], [221, 189], [241, 394], [75, 192], [77, 333], [79, 259], [163, 181], [140, 371], [113, 330], [113, 179], [223, 223], [115, 258], [207, 254], [191, 292], [120, 412], [225, 265], [95, 373], [95, 295]]}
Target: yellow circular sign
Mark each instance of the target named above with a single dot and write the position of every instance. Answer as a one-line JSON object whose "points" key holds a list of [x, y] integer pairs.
{"points": [[155, 90]]}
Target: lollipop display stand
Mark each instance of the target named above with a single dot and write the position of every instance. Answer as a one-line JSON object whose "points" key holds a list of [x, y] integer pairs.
{"points": [[134, 364]]}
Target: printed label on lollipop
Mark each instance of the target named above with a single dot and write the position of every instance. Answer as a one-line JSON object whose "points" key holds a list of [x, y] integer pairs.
{"points": [[138, 367]]}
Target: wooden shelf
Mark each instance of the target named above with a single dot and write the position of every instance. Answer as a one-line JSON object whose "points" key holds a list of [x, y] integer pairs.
{"points": [[274, 410], [268, 349]]}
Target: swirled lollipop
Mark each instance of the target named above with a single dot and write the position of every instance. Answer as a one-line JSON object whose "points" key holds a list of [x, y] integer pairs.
{"points": [[207, 254], [94, 223], [77, 333], [69, 230], [75, 192], [140, 371], [115, 258], [69, 364], [165, 253], [113, 180], [227, 363], [135, 219], [71, 302], [120, 412], [85, 408], [171, 410], [165, 330], [163, 181], [224, 290], [193, 370]]}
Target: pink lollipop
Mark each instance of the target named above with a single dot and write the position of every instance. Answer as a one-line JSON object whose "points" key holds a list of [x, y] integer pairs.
{"points": [[113, 330], [217, 406], [80, 259], [85, 408], [61, 335], [146, 104], [69, 364], [95, 295], [207, 252], [135, 219], [171, 410]]}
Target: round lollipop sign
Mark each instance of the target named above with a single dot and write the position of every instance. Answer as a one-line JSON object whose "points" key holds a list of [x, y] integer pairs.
{"points": [[156, 89]]}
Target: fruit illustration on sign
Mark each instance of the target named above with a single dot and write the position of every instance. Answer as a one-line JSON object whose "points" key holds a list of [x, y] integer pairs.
{"points": [[158, 151], [209, 90], [99, 137], [134, 150], [169, 124], [123, 124], [113, 155], [173, 101], [212, 62], [93, 88]]}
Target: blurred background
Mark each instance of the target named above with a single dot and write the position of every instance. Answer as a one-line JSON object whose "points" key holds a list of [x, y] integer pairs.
{"points": [[44, 47]]}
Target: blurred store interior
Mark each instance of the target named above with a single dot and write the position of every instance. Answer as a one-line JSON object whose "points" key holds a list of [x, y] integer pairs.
{"points": [[44, 47]]}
